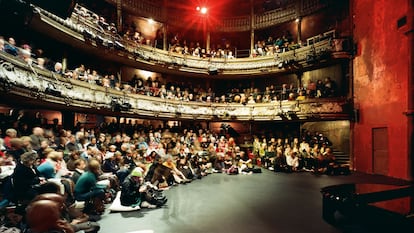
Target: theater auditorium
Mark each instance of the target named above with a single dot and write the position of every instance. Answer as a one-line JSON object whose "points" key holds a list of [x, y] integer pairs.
{"points": [[202, 116]]}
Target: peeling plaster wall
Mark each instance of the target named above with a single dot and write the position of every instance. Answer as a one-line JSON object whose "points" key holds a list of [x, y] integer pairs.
{"points": [[380, 83]]}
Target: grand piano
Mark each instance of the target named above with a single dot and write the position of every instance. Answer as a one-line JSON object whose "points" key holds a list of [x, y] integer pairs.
{"points": [[379, 207]]}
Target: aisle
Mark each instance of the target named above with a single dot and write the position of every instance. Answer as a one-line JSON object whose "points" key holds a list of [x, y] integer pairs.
{"points": [[219, 203]]}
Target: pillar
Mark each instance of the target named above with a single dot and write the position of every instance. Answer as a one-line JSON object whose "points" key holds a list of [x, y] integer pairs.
{"points": [[119, 15], [164, 39], [299, 29], [165, 26], [208, 39], [299, 77], [252, 26]]}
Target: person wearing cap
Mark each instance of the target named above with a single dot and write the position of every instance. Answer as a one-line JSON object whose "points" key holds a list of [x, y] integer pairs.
{"points": [[130, 194]]}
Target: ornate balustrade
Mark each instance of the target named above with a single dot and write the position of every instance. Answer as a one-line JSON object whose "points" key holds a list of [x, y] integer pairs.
{"points": [[44, 88], [229, 24], [275, 17], [234, 24], [138, 54], [142, 8]]}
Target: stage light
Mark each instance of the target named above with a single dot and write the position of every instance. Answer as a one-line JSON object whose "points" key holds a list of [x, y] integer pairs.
{"points": [[203, 10], [198, 8]]}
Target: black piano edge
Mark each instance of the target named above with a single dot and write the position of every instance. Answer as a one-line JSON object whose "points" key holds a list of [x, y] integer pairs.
{"points": [[343, 207]]}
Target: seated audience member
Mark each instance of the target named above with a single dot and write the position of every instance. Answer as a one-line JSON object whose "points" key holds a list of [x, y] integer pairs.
{"points": [[58, 68], [292, 161], [61, 166], [11, 48], [113, 169], [280, 162], [130, 194], [245, 164], [71, 158], [80, 165], [327, 162], [158, 174], [185, 166], [37, 137], [16, 149], [179, 177], [26, 178], [110, 164], [87, 189], [77, 220], [44, 216], [10, 134], [48, 168]]}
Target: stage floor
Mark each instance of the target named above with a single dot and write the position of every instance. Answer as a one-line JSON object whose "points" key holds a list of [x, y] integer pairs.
{"points": [[256, 203]]}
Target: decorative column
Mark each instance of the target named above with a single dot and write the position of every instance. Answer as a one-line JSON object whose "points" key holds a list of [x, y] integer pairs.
{"points": [[164, 26], [208, 39], [164, 39], [252, 26], [64, 61], [119, 15], [298, 20], [299, 29]]}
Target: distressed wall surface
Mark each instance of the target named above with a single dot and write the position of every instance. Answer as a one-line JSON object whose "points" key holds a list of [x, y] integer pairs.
{"points": [[381, 73]]}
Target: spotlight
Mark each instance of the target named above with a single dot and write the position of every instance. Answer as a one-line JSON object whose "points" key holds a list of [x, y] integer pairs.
{"points": [[203, 10]]}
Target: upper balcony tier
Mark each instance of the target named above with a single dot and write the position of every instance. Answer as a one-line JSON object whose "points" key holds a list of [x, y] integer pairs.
{"points": [[23, 85], [291, 10], [320, 51]]}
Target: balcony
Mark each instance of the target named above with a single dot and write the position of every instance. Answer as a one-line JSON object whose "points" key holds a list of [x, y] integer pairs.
{"points": [[94, 40], [28, 86]]}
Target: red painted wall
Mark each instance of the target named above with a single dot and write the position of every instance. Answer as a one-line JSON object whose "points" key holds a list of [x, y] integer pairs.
{"points": [[381, 74]]}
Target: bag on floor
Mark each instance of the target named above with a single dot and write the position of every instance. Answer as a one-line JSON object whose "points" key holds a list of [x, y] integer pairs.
{"points": [[256, 170]]}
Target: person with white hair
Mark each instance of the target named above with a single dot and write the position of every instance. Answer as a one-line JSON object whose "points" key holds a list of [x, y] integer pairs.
{"points": [[37, 137]]}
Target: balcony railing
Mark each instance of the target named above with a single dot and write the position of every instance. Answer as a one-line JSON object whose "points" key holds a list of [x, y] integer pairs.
{"points": [[228, 24], [17, 78], [144, 54], [275, 17]]}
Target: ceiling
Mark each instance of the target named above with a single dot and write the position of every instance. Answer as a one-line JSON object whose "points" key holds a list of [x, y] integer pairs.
{"points": [[227, 7]]}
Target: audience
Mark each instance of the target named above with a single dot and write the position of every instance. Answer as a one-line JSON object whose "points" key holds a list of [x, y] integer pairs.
{"points": [[150, 159], [143, 160], [183, 91]]}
